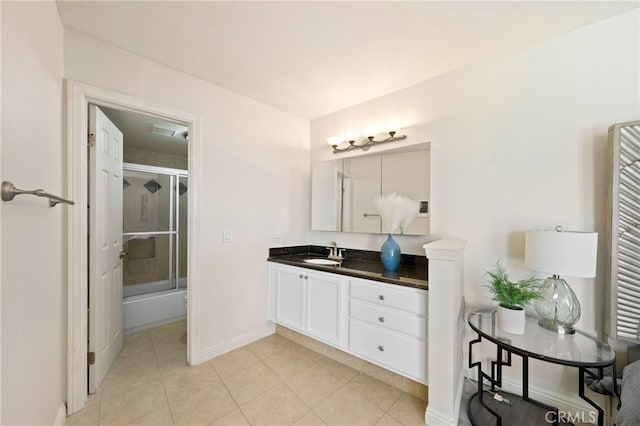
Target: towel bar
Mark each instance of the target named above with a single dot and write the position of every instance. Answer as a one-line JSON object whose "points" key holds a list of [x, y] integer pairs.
{"points": [[8, 192]]}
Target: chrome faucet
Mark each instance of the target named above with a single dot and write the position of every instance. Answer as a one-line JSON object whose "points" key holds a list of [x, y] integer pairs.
{"points": [[334, 252]]}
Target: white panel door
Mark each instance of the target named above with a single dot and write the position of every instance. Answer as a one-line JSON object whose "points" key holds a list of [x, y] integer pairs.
{"points": [[105, 245]]}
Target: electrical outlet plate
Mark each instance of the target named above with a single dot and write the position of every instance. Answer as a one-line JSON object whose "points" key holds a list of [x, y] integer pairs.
{"points": [[276, 233]]}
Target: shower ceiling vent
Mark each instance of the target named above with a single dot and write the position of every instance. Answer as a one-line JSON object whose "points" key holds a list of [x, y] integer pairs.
{"points": [[163, 131]]}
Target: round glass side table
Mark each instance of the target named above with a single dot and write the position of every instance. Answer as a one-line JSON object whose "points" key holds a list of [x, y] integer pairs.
{"points": [[587, 353]]}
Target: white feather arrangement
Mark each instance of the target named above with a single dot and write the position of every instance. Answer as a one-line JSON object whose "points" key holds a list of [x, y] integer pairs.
{"points": [[396, 211]]}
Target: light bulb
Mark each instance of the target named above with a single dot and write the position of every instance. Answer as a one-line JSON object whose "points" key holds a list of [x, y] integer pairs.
{"points": [[370, 132], [351, 136], [393, 126], [334, 140]]}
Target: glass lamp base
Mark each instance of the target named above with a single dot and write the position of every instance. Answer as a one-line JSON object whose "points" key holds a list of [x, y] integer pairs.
{"points": [[551, 324], [558, 307]]}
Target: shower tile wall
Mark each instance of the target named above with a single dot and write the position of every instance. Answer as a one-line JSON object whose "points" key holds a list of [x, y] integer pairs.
{"points": [[150, 158]]}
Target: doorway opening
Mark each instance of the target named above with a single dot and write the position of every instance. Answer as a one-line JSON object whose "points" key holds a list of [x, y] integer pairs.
{"points": [[155, 197], [161, 267]]}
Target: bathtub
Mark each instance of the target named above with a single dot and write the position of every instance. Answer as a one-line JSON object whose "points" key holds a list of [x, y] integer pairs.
{"points": [[153, 309]]}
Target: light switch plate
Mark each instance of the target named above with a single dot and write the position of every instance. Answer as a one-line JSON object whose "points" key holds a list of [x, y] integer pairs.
{"points": [[276, 233], [227, 236]]}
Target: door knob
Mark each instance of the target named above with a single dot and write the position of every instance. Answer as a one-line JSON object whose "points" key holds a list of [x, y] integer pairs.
{"points": [[123, 254]]}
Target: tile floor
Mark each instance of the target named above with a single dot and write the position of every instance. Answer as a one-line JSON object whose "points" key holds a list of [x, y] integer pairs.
{"points": [[272, 381]]}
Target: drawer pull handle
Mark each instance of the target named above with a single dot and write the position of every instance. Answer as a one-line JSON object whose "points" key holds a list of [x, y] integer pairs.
{"points": [[306, 277], [381, 348], [300, 275], [381, 319], [381, 297]]}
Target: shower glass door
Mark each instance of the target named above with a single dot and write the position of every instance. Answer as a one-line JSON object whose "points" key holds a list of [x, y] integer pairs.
{"points": [[154, 229]]}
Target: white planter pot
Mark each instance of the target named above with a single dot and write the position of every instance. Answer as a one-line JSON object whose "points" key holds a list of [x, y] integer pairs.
{"points": [[511, 320]]}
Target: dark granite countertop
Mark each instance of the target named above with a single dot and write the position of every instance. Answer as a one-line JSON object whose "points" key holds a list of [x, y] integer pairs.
{"points": [[357, 263]]}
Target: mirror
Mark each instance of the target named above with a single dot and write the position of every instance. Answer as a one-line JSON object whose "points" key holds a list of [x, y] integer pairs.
{"points": [[342, 190]]}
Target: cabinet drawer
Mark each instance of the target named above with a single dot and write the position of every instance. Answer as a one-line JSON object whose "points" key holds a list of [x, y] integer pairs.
{"points": [[376, 315], [410, 300], [402, 354]]}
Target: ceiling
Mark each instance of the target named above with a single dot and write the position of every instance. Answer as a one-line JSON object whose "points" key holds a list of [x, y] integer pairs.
{"points": [[314, 58], [138, 132]]}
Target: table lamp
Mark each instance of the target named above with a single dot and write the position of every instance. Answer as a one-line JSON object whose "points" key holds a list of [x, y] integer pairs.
{"points": [[566, 253]]}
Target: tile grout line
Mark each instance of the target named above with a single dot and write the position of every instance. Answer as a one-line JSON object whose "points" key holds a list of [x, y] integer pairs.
{"points": [[164, 387], [260, 394], [391, 406], [228, 391], [282, 381]]}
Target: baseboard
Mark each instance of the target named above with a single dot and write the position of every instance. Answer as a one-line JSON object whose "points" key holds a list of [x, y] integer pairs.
{"points": [[61, 415], [437, 418], [564, 403], [458, 400], [236, 342]]}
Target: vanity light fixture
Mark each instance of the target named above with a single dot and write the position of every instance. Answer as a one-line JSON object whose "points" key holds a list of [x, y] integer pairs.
{"points": [[368, 140]]}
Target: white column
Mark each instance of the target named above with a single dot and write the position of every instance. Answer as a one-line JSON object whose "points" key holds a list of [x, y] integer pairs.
{"points": [[445, 331]]}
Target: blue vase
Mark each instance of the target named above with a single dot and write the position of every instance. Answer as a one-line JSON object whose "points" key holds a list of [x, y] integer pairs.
{"points": [[390, 254]]}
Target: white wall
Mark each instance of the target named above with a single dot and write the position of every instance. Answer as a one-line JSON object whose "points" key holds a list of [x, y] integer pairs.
{"points": [[518, 143], [33, 277], [255, 175]]}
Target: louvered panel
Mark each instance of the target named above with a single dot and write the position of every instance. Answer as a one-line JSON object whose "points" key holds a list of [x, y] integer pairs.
{"points": [[628, 304], [630, 172], [629, 200], [633, 236], [632, 188], [629, 205], [628, 324], [627, 257], [627, 280], [631, 132], [625, 232], [627, 212], [629, 292]]}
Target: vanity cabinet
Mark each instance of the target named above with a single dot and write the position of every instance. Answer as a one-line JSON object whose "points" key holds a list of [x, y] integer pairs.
{"points": [[388, 326], [310, 302], [385, 324]]}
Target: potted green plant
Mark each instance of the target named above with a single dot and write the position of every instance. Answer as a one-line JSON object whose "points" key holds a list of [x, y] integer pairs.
{"points": [[512, 297]]}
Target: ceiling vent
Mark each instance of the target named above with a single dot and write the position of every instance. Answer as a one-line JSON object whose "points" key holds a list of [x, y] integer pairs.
{"points": [[163, 131]]}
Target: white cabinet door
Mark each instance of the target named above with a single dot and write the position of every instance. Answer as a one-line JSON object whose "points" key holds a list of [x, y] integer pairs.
{"points": [[290, 292], [324, 307]]}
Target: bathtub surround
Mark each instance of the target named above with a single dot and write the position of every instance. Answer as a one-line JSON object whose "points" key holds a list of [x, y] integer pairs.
{"points": [[155, 223], [153, 310]]}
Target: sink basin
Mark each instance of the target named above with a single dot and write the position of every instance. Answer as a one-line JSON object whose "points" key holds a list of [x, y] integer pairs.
{"points": [[328, 262]]}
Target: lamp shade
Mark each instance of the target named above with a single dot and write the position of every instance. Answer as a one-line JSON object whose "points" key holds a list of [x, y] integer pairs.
{"points": [[565, 253]]}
